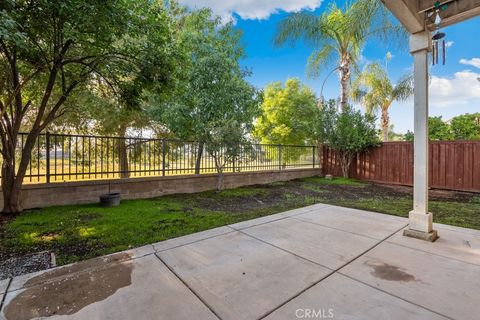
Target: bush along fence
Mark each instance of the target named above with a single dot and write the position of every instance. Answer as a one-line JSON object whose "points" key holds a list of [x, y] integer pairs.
{"points": [[64, 157], [453, 165]]}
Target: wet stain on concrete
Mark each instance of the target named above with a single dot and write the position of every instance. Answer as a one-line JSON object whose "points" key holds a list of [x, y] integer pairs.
{"points": [[388, 272], [67, 290]]}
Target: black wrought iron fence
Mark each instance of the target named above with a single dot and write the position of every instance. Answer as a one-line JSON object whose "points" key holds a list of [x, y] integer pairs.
{"points": [[64, 157]]}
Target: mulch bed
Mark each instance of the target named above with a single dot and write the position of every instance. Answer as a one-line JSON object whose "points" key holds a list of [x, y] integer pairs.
{"points": [[275, 195]]}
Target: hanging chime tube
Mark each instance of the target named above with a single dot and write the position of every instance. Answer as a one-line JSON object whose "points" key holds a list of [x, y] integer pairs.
{"points": [[443, 52], [433, 54]]}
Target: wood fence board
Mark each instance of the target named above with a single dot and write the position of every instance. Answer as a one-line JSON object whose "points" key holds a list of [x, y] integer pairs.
{"points": [[453, 165], [476, 166]]}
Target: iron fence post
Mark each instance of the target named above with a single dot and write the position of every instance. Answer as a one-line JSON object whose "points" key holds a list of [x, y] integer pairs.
{"points": [[163, 156], [279, 157], [47, 147]]}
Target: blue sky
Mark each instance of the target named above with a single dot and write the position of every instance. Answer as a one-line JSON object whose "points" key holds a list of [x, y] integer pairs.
{"points": [[453, 89]]}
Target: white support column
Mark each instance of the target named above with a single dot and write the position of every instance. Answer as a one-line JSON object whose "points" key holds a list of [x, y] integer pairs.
{"points": [[420, 220]]}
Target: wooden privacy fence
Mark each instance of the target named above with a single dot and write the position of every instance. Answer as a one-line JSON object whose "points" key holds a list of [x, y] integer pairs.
{"points": [[453, 165]]}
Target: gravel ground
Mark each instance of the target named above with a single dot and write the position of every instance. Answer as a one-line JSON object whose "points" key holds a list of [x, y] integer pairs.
{"points": [[25, 264]]}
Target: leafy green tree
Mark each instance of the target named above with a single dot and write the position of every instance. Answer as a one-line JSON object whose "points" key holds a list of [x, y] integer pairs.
{"points": [[466, 126], [408, 136], [215, 92], [48, 49], [323, 125], [338, 36], [394, 136], [374, 90], [126, 86], [439, 130], [288, 114], [228, 141], [117, 102], [352, 132]]}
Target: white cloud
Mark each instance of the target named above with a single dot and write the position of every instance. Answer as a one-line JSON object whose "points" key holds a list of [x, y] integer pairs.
{"points": [[448, 44], [461, 90], [472, 62], [252, 9]]}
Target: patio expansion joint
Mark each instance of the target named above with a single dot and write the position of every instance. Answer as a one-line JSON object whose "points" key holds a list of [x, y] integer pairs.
{"points": [[338, 229], [359, 212], [192, 242], [280, 248], [395, 296], [433, 253], [283, 217], [259, 224], [2, 301], [330, 274], [188, 287]]}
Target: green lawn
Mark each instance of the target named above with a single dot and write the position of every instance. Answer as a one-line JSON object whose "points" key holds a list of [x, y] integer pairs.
{"points": [[80, 232]]}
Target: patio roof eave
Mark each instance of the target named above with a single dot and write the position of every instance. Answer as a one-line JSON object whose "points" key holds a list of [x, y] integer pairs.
{"points": [[412, 14]]}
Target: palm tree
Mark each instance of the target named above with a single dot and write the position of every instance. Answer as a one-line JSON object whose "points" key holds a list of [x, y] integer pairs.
{"points": [[338, 35], [373, 89]]}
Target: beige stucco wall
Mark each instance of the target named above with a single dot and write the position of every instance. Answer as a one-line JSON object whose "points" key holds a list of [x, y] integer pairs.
{"points": [[69, 193]]}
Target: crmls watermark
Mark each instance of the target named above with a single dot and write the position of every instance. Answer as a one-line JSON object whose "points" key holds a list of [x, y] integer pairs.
{"points": [[320, 313]]}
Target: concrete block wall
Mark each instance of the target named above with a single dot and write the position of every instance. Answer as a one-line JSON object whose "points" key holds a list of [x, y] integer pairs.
{"points": [[81, 192]]}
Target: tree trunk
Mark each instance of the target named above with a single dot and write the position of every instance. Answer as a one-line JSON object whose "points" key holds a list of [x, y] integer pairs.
{"points": [[220, 180], [219, 166], [345, 162], [385, 124], [11, 193], [122, 153], [344, 81], [198, 162], [12, 180]]}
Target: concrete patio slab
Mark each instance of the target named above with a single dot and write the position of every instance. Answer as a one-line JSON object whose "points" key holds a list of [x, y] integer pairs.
{"points": [[364, 213], [270, 268], [140, 251], [275, 217], [463, 246], [191, 238], [255, 222], [240, 277], [142, 288], [343, 298], [328, 247], [448, 286], [377, 226], [441, 227], [4, 285]]}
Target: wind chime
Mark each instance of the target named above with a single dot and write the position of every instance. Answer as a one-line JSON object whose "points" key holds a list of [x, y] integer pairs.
{"points": [[438, 37]]}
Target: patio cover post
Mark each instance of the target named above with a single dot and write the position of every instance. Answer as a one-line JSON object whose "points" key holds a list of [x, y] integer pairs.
{"points": [[420, 220]]}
